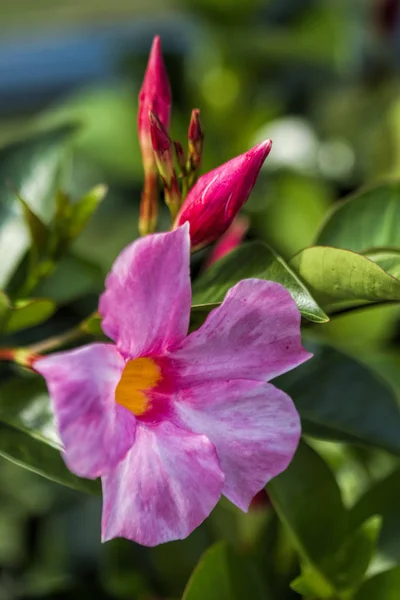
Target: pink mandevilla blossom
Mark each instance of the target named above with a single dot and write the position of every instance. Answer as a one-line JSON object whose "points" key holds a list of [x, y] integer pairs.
{"points": [[216, 198], [171, 421]]}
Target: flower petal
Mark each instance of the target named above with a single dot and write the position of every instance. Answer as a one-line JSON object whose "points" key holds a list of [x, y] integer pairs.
{"points": [[96, 431], [254, 334], [146, 304], [167, 485], [254, 427]]}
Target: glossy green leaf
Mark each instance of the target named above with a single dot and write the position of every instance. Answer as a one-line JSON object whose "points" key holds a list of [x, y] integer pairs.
{"points": [[340, 279], [384, 586], [369, 219], [340, 399], [27, 313], [74, 276], [312, 583], [388, 259], [24, 313], [383, 498], [71, 218], [92, 325], [254, 259], [38, 230], [308, 501], [27, 434], [84, 208], [222, 574], [32, 167], [37, 456], [347, 567]]}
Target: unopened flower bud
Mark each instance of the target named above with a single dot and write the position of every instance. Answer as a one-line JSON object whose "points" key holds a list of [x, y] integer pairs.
{"points": [[195, 140], [180, 157], [163, 152], [216, 198], [154, 96], [162, 148]]}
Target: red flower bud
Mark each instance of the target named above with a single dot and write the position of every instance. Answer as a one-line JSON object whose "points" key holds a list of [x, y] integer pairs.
{"points": [[216, 198], [180, 157], [163, 152], [162, 147], [154, 96], [195, 138], [260, 501]]}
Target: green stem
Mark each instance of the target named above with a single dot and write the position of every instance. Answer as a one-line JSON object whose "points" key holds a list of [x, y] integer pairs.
{"points": [[26, 355], [57, 341]]}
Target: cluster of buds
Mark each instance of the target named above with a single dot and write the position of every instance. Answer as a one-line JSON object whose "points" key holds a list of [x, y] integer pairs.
{"points": [[209, 203]]}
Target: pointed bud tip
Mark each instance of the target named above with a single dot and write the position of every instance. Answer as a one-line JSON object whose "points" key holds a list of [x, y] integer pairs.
{"points": [[155, 50], [264, 147], [155, 93], [195, 130]]}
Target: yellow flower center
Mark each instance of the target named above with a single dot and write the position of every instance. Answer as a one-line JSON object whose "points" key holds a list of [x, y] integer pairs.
{"points": [[140, 375]]}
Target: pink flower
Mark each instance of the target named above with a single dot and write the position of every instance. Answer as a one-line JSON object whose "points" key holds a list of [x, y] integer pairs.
{"points": [[215, 200], [171, 421]]}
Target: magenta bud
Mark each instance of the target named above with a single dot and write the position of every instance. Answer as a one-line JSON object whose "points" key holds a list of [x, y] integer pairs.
{"points": [[154, 96], [163, 152], [180, 157], [195, 139], [216, 198], [162, 148]]}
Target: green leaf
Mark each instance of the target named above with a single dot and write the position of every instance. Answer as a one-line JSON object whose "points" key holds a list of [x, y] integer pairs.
{"points": [[74, 276], [384, 586], [312, 583], [32, 166], [27, 435], [41, 458], [92, 325], [28, 313], [23, 313], [71, 218], [340, 279], [83, 210], [254, 259], [388, 259], [348, 566], [38, 230], [383, 498], [222, 574], [369, 219], [308, 501], [339, 399]]}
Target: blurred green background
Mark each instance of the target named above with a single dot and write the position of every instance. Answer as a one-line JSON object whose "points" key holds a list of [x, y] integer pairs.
{"points": [[318, 77]]}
